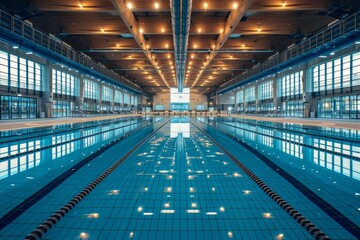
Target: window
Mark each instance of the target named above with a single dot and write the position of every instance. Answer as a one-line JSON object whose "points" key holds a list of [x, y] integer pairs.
{"points": [[107, 94], [265, 90], [19, 72], [343, 72], [91, 89], [179, 101], [65, 83], [240, 96], [291, 85], [250, 94]]}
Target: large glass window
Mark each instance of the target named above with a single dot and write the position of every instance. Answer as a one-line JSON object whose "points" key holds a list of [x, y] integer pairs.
{"points": [[20, 73], [240, 96], [65, 83], [265, 90], [343, 72], [179, 101], [17, 107], [291, 85], [107, 94], [250, 94], [339, 107], [91, 89]]}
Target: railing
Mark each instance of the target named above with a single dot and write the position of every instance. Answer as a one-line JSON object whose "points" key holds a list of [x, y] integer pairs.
{"points": [[54, 44], [333, 33]]}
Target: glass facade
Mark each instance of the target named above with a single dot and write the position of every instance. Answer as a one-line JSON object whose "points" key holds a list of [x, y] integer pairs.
{"points": [[265, 90], [291, 85], [338, 74], [179, 101], [62, 108], [65, 84], [339, 107], [13, 107], [19, 74]]}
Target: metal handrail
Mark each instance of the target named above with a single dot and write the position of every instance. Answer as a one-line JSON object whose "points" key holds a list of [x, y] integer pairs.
{"points": [[333, 33], [54, 44]]}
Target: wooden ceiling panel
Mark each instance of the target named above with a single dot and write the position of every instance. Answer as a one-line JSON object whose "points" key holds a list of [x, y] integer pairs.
{"points": [[98, 28]]}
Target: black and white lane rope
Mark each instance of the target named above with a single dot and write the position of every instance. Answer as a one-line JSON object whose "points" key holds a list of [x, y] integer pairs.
{"points": [[43, 228], [303, 221]]}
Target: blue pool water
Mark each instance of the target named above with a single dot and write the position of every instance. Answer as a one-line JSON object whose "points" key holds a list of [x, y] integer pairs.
{"points": [[179, 183]]}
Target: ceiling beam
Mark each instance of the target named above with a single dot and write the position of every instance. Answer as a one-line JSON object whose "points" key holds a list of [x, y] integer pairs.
{"points": [[172, 51], [130, 21], [231, 23]]}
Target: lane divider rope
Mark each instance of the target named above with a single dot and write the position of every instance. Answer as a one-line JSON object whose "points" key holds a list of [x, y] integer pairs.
{"points": [[299, 218], [43, 228]]}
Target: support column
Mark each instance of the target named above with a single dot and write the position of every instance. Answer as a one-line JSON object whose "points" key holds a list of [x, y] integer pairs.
{"points": [[256, 97], [309, 102], [100, 97], [112, 100], [277, 95], [46, 102], [80, 99]]}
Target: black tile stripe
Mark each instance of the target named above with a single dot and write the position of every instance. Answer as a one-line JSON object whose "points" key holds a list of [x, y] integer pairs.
{"points": [[340, 218]]}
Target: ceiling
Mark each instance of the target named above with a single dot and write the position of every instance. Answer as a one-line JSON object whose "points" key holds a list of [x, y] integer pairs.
{"points": [[135, 37]]}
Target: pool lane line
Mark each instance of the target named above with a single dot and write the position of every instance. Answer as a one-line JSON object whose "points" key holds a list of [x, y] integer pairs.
{"points": [[42, 229], [336, 215], [10, 216], [65, 142], [304, 222]]}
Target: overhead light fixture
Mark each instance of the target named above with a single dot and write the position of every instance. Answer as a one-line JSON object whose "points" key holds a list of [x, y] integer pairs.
{"points": [[29, 53], [156, 5], [235, 5], [199, 30], [141, 30], [102, 30], [163, 30], [206, 5], [15, 47], [80, 5], [284, 4], [259, 29], [129, 5]]}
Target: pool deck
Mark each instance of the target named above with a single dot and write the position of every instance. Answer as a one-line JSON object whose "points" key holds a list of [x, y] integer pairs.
{"points": [[45, 122], [42, 122], [320, 122]]}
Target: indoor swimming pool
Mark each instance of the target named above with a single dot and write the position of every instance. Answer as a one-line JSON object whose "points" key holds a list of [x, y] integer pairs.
{"points": [[179, 178]]}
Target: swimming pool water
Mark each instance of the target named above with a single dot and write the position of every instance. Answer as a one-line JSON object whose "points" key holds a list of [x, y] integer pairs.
{"points": [[178, 184]]}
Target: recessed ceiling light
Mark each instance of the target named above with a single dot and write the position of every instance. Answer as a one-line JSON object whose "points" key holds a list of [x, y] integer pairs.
{"points": [[235, 5], [206, 5], [129, 5], [156, 5], [80, 5]]}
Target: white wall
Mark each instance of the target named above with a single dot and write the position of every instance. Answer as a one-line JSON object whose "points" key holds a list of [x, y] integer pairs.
{"points": [[195, 99]]}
